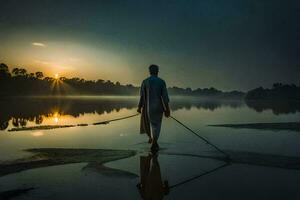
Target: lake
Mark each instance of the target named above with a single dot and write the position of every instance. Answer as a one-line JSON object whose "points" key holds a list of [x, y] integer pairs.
{"points": [[185, 167]]}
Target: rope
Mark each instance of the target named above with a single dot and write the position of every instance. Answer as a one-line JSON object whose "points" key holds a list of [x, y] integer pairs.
{"points": [[198, 176], [202, 138], [48, 127], [116, 119]]}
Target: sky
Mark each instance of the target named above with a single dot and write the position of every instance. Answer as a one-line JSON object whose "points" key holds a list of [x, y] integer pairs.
{"points": [[227, 44]]}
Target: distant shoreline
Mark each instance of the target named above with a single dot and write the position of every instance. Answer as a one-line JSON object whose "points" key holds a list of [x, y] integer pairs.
{"points": [[18, 82]]}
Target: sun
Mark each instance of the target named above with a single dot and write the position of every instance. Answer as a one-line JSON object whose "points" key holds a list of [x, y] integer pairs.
{"points": [[56, 76]]}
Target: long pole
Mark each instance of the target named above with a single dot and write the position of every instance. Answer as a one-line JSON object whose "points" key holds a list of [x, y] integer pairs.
{"points": [[202, 138]]}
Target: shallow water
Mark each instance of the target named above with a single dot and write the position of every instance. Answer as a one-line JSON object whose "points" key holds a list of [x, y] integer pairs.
{"points": [[175, 162]]}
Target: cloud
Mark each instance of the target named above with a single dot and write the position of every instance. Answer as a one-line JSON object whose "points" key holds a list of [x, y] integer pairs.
{"points": [[56, 65], [42, 62], [39, 44]]}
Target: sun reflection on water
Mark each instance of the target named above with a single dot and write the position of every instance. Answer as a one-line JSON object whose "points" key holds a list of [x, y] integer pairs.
{"points": [[37, 133], [56, 117]]}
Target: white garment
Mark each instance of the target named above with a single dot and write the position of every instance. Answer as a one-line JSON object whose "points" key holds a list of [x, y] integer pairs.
{"points": [[154, 97]]}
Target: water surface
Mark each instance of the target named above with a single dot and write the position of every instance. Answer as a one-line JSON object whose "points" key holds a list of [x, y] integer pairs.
{"points": [[177, 161]]}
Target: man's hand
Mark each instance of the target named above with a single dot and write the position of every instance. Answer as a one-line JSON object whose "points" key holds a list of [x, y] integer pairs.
{"points": [[167, 113], [139, 110]]}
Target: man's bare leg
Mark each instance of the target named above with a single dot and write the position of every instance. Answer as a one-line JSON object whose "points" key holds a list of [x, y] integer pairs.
{"points": [[154, 146]]}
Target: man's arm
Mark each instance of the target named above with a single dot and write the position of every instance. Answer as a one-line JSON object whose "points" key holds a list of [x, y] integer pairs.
{"points": [[167, 110], [141, 102], [165, 100]]}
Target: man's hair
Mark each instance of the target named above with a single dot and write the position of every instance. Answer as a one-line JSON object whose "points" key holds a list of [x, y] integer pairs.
{"points": [[153, 69]]}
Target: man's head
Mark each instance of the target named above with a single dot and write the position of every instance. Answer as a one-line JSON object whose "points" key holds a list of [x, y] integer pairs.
{"points": [[153, 69]]}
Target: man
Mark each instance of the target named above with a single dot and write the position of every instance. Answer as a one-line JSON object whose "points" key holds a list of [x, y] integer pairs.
{"points": [[154, 101]]}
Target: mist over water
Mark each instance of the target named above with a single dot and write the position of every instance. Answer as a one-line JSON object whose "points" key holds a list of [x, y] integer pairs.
{"points": [[60, 110]]}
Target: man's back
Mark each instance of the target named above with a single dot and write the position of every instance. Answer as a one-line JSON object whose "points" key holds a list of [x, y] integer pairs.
{"points": [[156, 93]]}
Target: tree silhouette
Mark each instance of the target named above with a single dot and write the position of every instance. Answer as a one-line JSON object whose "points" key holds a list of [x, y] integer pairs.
{"points": [[39, 75], [279, 91], [22, 72], [19, 72], [15, 71], [4, 72]]}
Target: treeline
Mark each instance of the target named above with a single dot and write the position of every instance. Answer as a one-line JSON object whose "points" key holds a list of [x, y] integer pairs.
{"points": [[206, 92], [279, 91], [19, 82]]}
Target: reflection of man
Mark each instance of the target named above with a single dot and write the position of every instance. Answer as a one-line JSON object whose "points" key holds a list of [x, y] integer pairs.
{"points": [[151, 186], [153, 103]]}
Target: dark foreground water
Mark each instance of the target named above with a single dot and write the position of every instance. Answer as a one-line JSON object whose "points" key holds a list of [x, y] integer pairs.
{"points": [[179, 171]]}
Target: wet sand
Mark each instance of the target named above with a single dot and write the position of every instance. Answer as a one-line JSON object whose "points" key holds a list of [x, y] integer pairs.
{"points": [[45, 157], [10, 194]]}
